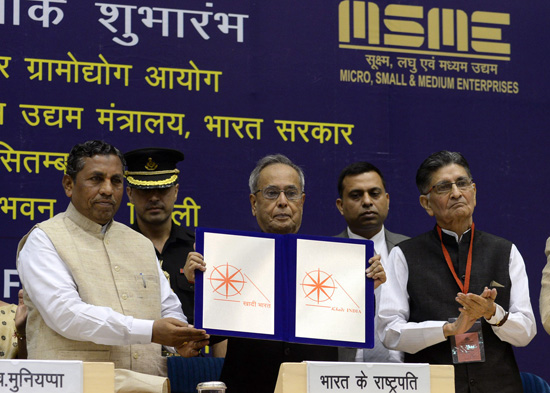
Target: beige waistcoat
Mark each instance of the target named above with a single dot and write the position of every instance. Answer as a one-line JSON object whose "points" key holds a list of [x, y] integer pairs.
{"points": [[109, 270]]}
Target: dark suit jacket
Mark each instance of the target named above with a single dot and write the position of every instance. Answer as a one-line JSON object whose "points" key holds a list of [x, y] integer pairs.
{"points": [[392, 239]]}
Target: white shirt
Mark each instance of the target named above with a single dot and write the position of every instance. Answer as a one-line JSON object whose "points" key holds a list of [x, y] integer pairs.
{"points": [[51, 287], [379, 353], [396, 332]]}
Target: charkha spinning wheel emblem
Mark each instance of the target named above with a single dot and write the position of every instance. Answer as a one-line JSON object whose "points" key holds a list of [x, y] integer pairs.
{"points": [[318, 286], [227, 280]]}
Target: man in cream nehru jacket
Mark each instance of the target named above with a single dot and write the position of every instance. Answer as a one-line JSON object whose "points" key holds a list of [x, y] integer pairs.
{"points": [[93, 286]]}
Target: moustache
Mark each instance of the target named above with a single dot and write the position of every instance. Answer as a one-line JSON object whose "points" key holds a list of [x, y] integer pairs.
{"points": [[105, 200], [150, 206]]}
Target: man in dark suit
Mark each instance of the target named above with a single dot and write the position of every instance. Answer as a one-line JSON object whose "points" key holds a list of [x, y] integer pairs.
{"points": [[364, 203], [153, 177], [277, 200]]}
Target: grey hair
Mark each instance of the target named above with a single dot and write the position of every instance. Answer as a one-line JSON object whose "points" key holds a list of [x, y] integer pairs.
{"points": [[436, 161], [270, 160]]}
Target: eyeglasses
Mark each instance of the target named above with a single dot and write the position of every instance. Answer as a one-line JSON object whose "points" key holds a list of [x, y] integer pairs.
{"points": [[463, 184], [272, 193]]}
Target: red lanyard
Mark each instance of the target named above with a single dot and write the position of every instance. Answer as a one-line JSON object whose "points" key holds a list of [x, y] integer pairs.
{"points": [[463, 287]]}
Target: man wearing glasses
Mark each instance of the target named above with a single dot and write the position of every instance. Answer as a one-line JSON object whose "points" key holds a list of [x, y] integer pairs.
{"points": [[277, 201], [276, 213], [457, 282]]}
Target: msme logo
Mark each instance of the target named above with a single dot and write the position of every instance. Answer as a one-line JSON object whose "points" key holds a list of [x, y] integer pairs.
{"points": [[421, 30]]}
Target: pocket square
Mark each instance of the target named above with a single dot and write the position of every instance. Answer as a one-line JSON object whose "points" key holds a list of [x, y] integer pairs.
{"points": [[495, 284]]}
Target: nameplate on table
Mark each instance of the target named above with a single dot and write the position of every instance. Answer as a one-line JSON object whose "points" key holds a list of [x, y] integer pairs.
{"points": [[44, 376], [367, 377]]}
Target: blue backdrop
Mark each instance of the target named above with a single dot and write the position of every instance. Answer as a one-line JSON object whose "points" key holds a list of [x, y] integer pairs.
{"points": [[326, 83]]}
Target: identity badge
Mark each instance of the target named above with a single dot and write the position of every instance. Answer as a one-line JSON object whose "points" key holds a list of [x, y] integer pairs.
{"points": [[468, 347]]}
